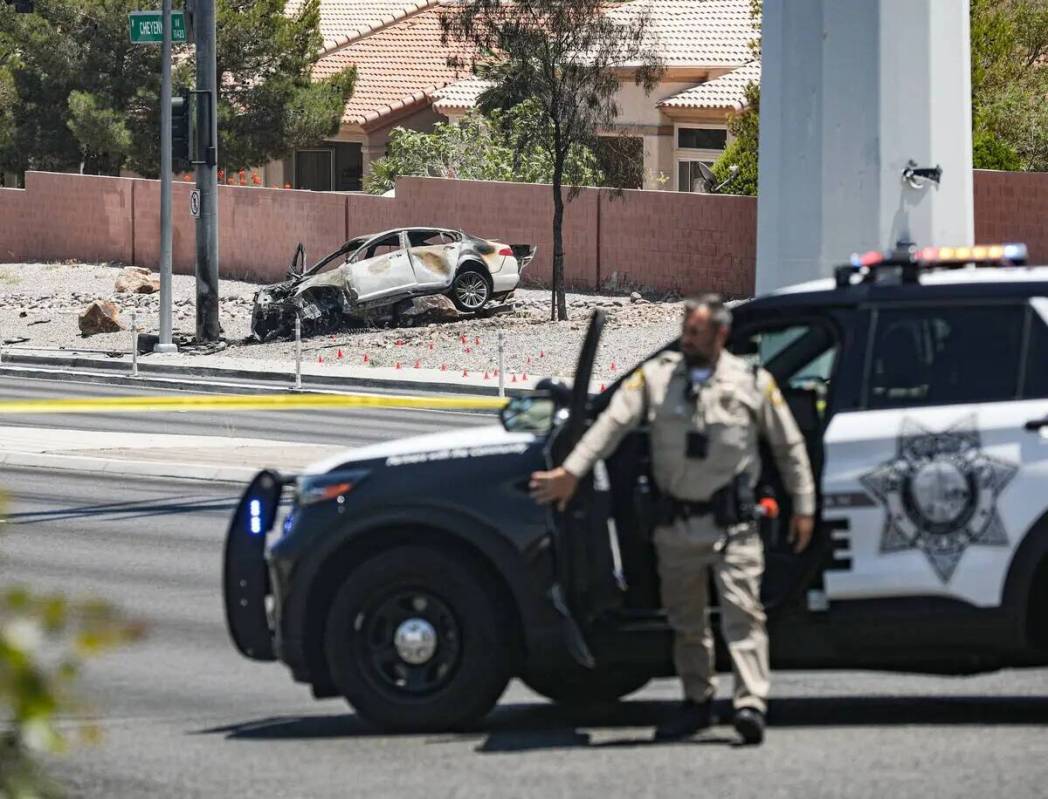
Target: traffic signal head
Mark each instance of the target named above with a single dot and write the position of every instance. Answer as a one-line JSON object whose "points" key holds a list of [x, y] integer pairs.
{"points": [[180, 116]]}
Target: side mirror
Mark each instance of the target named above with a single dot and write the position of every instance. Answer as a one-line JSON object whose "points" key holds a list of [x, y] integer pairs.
{"points": [[559, 392], [531, 414]]}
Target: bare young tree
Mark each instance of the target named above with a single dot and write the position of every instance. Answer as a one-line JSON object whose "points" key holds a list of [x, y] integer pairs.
{"points": [[569, 57]]}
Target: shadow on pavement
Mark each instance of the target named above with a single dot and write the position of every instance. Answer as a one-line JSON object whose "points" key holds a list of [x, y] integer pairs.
{"points": [[534, 726]]}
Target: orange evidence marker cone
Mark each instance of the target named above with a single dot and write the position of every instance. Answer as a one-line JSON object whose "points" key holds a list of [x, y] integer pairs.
{"points": [[365, 357], [431, 346], [542, 354], [613, 367], [465, 373], [486, 375], [513, 379], [418, 364], [320, 359], [602, 387], [339, 355], [397, 366], [524, 377], [443, 367], [462, 339]]}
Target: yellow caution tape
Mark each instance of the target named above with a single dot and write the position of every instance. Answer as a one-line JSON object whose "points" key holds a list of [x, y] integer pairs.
{"points": [[241, 402]]}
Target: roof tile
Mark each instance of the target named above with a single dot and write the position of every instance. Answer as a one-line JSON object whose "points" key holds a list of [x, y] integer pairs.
{"points": [[727, 91], [397, 66], [343, 20]]}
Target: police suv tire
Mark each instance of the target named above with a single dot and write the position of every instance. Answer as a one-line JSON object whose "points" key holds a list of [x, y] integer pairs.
{"points": [[485, 641], [579, 687]]}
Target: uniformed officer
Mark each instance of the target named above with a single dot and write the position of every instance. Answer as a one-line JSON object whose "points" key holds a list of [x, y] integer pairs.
{"points": [[706, 409]]}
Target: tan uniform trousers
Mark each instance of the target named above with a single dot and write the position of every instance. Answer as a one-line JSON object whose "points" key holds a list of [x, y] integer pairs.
{"points": [[687, 551]]}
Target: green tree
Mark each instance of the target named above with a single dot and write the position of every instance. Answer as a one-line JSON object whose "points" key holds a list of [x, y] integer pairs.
{"points": [[741, 152], [1009, 84], [85, 97], [502, 145], [566, 56]]}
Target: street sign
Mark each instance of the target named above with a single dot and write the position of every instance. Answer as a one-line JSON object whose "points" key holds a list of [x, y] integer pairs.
{"points": [[194, 203], [147, 27]]}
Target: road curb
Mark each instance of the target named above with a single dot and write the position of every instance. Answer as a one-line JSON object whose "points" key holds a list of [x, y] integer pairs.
{"points": [[128, 468], [314, 382]]}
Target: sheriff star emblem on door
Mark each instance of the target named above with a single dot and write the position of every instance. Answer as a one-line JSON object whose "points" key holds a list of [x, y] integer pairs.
{"points": [[940, 494]]}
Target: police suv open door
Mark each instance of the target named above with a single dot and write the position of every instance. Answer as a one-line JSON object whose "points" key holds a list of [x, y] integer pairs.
{"points": [[588, 562]]}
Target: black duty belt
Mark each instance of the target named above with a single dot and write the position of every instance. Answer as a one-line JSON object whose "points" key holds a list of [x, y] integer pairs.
{"points": [[684, 509]]}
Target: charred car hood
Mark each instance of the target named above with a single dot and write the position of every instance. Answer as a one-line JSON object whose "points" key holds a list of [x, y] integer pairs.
{"points": [[484, 439]]}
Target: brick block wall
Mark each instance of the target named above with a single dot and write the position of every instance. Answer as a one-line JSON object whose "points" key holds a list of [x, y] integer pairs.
{"points": [[1013, 207], [59, 217], [678, 242], [647, 239]]}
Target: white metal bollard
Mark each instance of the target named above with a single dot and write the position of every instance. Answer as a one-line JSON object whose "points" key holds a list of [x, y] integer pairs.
{"points": [[298, 352], [502, 377], [134, 345]]}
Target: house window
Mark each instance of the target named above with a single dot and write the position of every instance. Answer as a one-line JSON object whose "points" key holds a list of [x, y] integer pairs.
{"points": [[314, 170], [689, 176], [701, 138]]}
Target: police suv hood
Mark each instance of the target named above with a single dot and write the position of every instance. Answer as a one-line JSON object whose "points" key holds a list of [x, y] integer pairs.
{"points": [[468, 439]]}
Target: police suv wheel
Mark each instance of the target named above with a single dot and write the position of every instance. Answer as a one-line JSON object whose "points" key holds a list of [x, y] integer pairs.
{"points": [[415, 642], [579, 686]]}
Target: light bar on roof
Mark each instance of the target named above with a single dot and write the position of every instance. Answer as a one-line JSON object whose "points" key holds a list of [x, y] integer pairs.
{"points": [[911, 259]]}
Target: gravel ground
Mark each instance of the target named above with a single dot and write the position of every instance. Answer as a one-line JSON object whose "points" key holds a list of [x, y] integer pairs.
{"points": [[40, 303]]}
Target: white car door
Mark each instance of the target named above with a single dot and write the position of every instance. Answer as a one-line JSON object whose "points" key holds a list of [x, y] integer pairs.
{"points": [[434, 256], [930, 490], [383, 269]]}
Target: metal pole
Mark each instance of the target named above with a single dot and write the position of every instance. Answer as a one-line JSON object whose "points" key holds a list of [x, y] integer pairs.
{"points": [[207, 327], [134, 345], [298, 352], [502, 378], [164, 344]]}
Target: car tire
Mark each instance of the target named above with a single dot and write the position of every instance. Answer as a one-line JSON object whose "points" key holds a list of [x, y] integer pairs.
{"points": [[376, 642], [471, 290], [579, 687]]}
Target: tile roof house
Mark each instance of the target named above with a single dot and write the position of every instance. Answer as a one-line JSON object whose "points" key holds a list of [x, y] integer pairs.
{"points": [[705, 47], [403, 80]]}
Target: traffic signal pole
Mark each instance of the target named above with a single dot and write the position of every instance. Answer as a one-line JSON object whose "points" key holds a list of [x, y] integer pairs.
{"points": [[207, 325], [165, 344]]}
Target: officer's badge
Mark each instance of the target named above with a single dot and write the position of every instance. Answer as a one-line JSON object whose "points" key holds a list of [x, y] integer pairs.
{"points": [[940, 494]]}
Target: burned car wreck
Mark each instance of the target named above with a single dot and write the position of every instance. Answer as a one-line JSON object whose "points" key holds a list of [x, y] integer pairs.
{"points": [[374, 276]]}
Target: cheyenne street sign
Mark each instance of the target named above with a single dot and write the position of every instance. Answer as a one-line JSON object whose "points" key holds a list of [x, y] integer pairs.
{"points": [[147, 27]]}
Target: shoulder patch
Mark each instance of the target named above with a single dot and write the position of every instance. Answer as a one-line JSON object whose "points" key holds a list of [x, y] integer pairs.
{"points": [[771, 391], [635, 380]]}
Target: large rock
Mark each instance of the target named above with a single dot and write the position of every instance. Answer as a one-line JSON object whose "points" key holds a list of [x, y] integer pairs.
{"points": [[137, 280], [100, 317], [434, 308]]}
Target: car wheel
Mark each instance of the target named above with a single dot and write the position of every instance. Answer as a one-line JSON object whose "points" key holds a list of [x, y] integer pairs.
{"points": [[470, 290], [584, 687], [415, 642]]}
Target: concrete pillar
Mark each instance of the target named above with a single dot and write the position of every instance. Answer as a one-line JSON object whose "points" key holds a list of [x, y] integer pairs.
{"points": [[852, 90]]}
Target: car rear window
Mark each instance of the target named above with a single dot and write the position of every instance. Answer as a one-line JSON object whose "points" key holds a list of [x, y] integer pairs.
{"points": [[945, 355]]}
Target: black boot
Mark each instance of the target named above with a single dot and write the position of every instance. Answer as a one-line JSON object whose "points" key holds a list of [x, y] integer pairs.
{"points": [[690, 719], [749, 724]]}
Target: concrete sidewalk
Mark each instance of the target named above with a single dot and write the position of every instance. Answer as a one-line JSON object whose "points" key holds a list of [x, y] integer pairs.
{"points": [[154, 455]]}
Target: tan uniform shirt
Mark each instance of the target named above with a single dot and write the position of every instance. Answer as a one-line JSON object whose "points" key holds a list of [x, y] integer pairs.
{"points": [[734, 408]]}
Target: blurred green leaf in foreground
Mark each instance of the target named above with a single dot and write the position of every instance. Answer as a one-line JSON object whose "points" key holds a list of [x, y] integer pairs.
{"points": [[44, 641]]}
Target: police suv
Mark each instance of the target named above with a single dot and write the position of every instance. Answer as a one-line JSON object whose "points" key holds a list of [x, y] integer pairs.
{"points": [[416, 577]]}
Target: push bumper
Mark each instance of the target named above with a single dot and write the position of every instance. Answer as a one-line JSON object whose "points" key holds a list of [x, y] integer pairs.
{"points": [[245, 573]]}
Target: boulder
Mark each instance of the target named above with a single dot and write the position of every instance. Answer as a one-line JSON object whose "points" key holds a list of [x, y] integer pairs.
{"points": [[137, 280], [100, 317], [435, 308]]}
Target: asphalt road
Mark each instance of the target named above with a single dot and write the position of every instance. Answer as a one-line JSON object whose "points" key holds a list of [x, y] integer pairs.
{"points": [[184, 716]]}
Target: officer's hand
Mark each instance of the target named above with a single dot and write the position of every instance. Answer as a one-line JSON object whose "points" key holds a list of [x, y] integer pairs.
{"points": [[801, 529], [557, 486]]}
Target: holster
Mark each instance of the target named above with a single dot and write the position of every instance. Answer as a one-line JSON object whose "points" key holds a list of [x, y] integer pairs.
{"points": [[734, 503]]}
